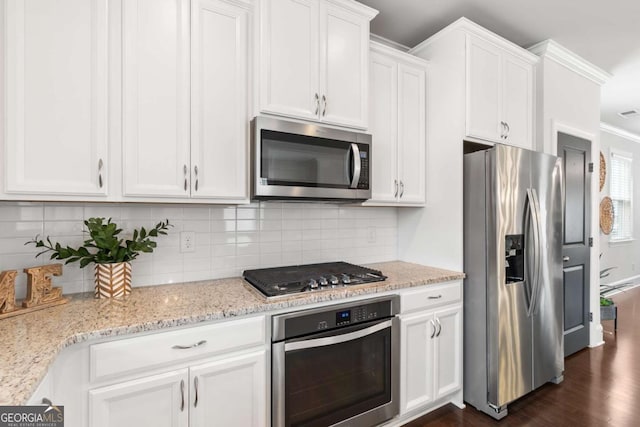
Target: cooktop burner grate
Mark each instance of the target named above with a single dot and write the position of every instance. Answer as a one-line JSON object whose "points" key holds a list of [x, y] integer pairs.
{"points": [[279, 281]]}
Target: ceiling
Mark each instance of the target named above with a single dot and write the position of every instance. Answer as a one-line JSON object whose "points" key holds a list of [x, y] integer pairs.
{"points": [[607, 34]]}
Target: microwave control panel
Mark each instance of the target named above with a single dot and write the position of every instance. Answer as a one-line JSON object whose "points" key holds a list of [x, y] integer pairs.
{"points": [[363, 183]]}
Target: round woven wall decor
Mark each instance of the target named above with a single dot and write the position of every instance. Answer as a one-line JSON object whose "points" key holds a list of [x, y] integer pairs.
{"points": [[603, 171], [606, 215]]}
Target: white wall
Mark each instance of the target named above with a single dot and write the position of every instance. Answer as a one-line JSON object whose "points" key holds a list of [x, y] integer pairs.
{"points": [[229, 239], [625, 256], [570, 103]]}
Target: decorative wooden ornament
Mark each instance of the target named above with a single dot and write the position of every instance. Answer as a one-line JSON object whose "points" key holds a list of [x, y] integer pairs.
{"points": [[8, 291], [40, 292], [113, 280], [606, 215], [603, 171]]}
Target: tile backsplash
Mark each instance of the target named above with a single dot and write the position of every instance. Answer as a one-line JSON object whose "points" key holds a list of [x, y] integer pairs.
{"points": [[228, 239]]}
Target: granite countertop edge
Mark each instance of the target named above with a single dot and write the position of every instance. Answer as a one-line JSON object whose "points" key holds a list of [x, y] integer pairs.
{"points": [[19, 387]]}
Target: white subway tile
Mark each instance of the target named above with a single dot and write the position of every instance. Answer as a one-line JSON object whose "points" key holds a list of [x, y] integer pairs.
{"points": [[223, 250], [222, 213], [26, 229], [191, 213], [11, 211], [270, 225], [291, 235], [63, 213], [247, 225], [218, 226], [247, 214], [99, 210], [271, 236], [137, 213], [162, 212], [270, 247]]}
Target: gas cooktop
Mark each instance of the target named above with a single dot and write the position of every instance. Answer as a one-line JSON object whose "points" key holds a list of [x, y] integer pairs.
{"points": [[281, 281]]}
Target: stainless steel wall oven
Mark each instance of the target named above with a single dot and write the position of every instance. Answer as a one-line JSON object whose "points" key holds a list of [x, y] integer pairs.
{"points": [[336, 365]]}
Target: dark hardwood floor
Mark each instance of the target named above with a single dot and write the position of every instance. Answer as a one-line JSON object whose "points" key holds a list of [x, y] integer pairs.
{"points": [[601, 385]]}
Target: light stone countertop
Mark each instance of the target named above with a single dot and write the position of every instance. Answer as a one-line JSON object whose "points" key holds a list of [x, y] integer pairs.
{"points": [[29, 343]]}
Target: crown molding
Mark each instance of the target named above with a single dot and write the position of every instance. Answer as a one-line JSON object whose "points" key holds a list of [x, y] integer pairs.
{"points": [[359, 8], [388, 42], [614, 130], [470, 27], [563, 56]]}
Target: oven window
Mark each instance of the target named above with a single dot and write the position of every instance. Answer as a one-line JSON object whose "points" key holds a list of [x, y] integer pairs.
{"points": [[305, 161], [328, 384]]}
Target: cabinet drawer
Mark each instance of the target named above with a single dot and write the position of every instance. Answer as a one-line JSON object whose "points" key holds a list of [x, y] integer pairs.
{"points": [[148, 352], [430, 296]]}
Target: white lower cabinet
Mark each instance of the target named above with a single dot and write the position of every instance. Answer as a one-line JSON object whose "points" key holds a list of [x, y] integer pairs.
{"points": [[229, 391], [157, 400], [431, 349]]}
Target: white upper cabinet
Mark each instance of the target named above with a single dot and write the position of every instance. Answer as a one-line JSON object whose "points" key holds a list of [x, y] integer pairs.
{"points": [[219, 100], [499, 94], [156, 119], [185, 96], [313, 60], [289, 57], [398, 126], [55, 95]]}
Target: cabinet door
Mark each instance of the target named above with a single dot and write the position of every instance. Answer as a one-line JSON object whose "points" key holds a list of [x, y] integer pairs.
{"points": [[219, 100], [383, 128], [448, 351], [156, 122], [151, 401], [56, 97], [417, 339], [411, 134], [484, 107], [289, 58], [344, 53], [231, 392], [517, 99]]}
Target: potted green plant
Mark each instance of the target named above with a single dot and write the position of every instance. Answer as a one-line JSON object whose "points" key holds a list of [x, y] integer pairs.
{"points": [[111, 254]]}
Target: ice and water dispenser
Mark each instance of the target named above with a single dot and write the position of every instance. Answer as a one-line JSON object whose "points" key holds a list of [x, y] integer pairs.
{"points": [[514, 258]]}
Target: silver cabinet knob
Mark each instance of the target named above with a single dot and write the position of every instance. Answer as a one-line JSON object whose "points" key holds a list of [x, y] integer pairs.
{"points": [[566, 259]]}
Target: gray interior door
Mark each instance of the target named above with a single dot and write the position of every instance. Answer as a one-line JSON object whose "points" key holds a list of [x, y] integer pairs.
{"points": [[576, 156]]}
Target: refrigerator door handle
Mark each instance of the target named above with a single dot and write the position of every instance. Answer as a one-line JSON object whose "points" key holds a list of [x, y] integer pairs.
{"points": [[538, 252], [532, 217]]}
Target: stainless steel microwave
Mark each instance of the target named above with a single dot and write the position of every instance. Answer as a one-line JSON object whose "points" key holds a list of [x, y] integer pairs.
{"points": [[293, 160]]}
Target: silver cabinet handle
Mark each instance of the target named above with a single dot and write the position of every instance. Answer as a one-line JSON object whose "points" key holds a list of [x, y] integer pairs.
{"points": [[401, 189], [195, 386], [324, 107], [436, 297], [502, 130], [317, 98], [185, 176], [508, 129], [195, 171], [439, 327], [186, 347], [182, 396], [395, 183], [100, 166], [433, 325], [566, 259]]}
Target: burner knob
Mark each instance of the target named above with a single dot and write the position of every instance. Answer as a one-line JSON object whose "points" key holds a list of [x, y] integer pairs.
{"points": [[346, 279], [333, 280], [312, 284], [323, 281]]}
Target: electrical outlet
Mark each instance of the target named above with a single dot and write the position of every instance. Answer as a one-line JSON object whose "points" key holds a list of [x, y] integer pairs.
{"points": [[371, 234], [187, 241]]}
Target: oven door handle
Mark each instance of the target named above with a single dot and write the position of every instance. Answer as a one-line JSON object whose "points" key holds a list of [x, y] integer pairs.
{"points": [[337, 339]]}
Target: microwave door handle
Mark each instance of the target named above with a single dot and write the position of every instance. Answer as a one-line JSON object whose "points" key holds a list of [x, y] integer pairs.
{"points": [[337, 339], [355, 152]]}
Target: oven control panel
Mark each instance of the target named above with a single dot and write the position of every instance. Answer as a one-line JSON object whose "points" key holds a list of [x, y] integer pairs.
{"points": [[311, 321]]}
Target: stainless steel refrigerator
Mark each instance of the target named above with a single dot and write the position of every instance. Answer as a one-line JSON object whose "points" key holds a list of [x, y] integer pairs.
{"points": [[513, 293]]}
